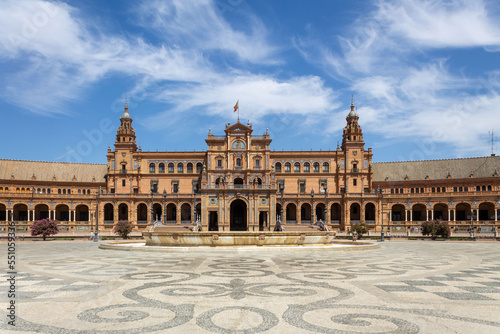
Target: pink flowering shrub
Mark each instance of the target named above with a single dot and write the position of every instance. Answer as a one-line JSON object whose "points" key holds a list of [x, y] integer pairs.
{"points": [[44, 227]]}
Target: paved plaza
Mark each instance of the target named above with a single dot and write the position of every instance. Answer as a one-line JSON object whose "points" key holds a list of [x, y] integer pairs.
{"points": [[402, 287]]}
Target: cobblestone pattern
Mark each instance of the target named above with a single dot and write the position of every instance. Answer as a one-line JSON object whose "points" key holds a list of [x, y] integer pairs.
{"points": [[404, 287]]}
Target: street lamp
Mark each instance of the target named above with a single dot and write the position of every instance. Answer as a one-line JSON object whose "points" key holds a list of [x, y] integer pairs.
{"points": [[380, 191], [472, 217], [278, 222], [164, 208], [96, 214], [194, 203], [152, 204], [325, 188], [312, 207]]}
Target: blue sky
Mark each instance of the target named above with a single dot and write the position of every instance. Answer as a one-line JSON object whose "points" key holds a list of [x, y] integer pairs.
{"points": [[425, 75]]}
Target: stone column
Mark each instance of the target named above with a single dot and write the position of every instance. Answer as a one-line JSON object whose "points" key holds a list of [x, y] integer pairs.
{"points": [[432, 214], [7, 215], [427, 211], [477, 215], [454, 215], [496, 214], [406, 215], [411, 215], [298, 213], [178, 220], [74, 215], [449, 214], [362, 213]]}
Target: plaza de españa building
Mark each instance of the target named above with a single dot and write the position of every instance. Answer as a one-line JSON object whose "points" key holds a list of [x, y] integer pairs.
{"points": [[241, 184]]}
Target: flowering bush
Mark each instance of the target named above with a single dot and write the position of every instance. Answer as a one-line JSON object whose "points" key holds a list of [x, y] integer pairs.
{"points": [[44, 227], [123, 228], [436, 228]]}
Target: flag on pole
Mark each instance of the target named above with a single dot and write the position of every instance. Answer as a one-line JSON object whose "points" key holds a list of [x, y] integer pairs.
{"points": [[236, 106]]}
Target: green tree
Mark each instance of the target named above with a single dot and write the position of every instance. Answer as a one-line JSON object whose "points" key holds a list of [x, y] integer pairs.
{"points": [[44, 227], [360, 229], [123, 228], [436, 228]]}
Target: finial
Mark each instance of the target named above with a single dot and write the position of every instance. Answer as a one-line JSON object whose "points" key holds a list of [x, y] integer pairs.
{"points": [[126, 104], [352, 102]]}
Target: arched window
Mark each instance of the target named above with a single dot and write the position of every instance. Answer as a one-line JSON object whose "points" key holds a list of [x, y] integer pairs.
{"points": [[489, 188], [190, 168], [80, 191], [316, 167], [326, 167], [43, 191], [171, 167], [180, 167], [296, 167], [199, 167], [64, 191], [307, 167], [152, 168], [59, 191], [238, 162], [161, 168], [277, 167], [288, 167]]}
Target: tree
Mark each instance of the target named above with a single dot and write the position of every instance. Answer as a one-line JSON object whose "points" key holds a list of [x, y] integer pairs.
{"points": [[123, 228], [436, 228], [44, 227], [360, 229]]}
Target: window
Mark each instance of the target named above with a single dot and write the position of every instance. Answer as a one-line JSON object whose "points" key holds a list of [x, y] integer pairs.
{"points": [[296, 167], [136, 190], [412, 190], [112, 190], [112, 164], [422, 190], [326, 167], [171, 167], [302, 187], [460, 189], [438, 189], [238, 162], [161, 168], [48, 190], [277, 167], [180, 168], [342, 163], [257, 163], [307, 167], [199, 167], [433, 189], [219, 162], [152, 168], [154, 186], [354, 182], [466, 188], [316, 167], [489, 188], [443, 189], [135, 164], [483, 188], [123, 183], [417, 190], [288, 167], [79, 191], [455, 189], [190, 168], [366, 163], [64, 191], [392, 191], [175, 188]]}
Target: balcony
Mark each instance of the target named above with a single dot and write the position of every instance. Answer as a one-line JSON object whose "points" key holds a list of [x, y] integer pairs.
{"points": [[355, 170]]}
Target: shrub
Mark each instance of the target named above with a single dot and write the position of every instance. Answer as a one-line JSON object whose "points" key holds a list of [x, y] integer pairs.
{"points": [[436, 228], [123, 228], [360, 229], [44, 227]]}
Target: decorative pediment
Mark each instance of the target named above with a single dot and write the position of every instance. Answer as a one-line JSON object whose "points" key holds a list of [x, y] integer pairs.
{"points": [[239, 128]]}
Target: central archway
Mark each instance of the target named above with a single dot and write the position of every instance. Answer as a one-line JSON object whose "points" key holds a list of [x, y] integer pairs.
{"points": [[238, 216]]}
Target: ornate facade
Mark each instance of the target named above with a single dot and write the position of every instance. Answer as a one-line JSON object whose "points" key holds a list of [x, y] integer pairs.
{"points": [[239, 183]]}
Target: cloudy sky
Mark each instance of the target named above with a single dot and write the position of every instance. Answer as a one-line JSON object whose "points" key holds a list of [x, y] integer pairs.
{"points": [[425, 75]]}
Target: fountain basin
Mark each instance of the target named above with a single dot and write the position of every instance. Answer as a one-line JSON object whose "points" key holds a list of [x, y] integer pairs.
{"points": [[212, 239]]}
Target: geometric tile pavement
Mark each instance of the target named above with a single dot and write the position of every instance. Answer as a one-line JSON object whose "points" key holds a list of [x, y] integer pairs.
{"points": [[402, 287]]}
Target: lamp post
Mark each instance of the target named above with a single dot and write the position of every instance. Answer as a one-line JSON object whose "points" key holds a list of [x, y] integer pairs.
{"points": [[380, 191], [152, 205], [472, 217], [312, 207], [194, 203], [325, 188], [164, 208], [96, 214], [278, 223]]}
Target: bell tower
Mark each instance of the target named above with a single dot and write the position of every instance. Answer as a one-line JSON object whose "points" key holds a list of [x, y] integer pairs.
{"points": [[353, 135], [125, 135]]}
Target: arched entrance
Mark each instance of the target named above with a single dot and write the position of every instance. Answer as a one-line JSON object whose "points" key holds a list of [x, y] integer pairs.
{"points": [[238, 216], [123, 212]]}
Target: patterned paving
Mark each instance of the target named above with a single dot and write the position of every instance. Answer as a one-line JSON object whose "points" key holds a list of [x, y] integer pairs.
{"points": [[403, 287]]}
